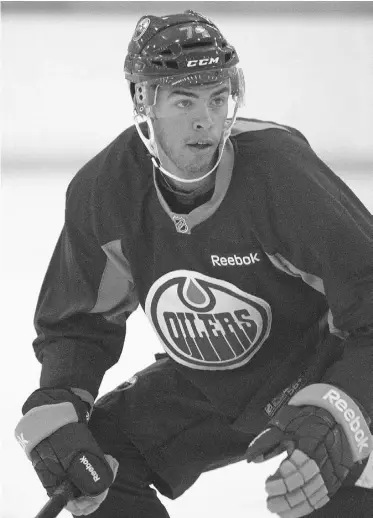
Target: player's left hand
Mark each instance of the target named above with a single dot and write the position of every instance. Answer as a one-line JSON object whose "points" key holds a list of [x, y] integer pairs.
{"points": [[321, 456]]}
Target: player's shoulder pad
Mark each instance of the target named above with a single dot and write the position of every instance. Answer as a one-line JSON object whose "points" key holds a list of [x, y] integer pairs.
{"points": [[244, 126], [103, 172], [109, 157]]}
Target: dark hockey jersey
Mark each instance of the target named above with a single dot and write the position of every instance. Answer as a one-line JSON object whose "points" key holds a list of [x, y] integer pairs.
{"points": [[265, 287]]}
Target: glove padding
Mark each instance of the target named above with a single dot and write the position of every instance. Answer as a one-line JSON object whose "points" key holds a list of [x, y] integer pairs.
{"points": [[57, 440], [319, 460], [71, 453], [85, 505]]}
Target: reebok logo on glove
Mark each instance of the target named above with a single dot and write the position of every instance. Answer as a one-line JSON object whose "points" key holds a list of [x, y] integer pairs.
{"points": [[345, 411], [335, 399], [328, 442], [90, 468]]}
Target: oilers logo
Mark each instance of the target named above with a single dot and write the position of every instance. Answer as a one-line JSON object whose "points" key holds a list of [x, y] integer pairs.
{"points": [[207, 323], [141, 29]]}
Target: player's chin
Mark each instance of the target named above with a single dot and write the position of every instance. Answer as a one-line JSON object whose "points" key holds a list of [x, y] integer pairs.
{"points": [[201, 161], [197, 169]]}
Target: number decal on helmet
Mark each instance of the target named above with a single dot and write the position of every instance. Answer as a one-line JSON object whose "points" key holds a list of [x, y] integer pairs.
{"points": [[189, 31], [198, 30], [202, 30]]}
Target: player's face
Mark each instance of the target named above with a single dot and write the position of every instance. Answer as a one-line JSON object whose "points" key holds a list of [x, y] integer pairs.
{"points": [[188, 126]]}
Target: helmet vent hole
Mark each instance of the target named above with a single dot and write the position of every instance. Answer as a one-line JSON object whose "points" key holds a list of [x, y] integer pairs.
{"points": [[166, 52], [172, 64], [197, 45], [158, 63], [228, 56]]}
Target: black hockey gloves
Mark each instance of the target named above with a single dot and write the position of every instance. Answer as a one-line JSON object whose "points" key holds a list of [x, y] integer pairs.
{"points": [[328, 442], [55, 436]]}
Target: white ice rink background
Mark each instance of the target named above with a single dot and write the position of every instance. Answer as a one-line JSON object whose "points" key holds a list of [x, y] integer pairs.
{"points": [[64, 99]]}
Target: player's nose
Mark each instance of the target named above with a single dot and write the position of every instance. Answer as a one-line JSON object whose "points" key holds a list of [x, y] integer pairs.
{"points": [[203, 120]]}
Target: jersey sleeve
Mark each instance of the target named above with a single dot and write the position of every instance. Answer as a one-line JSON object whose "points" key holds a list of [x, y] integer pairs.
{"points": [[324, 234], [85, 299]]}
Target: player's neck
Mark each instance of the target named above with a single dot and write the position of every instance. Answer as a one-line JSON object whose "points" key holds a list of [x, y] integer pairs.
{"points": [[188, 188], [192, 188]]}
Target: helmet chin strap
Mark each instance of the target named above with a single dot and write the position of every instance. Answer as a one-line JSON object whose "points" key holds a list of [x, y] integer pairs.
{"points": [[151, 146]]}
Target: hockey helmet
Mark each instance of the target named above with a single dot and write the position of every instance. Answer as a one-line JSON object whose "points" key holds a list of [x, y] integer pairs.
{"points": [[184, 49]]}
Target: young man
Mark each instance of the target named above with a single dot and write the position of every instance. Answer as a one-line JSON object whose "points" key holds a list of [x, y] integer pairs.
{"points": [[254, 263]]}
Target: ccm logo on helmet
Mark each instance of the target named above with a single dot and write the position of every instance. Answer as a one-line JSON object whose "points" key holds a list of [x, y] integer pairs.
{"points": [[353, 420], [202, 62]]}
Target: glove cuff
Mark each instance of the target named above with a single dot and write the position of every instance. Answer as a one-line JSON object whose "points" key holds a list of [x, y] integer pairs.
{"points": [[40, 422], [84, 396], [345, 411], [47, 410]]}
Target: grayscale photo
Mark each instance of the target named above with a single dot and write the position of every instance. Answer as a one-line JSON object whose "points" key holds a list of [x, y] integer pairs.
{"points": [[187, 259]]}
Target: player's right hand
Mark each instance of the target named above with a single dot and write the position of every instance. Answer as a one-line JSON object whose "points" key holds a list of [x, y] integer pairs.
{"points": [[55, 436]]}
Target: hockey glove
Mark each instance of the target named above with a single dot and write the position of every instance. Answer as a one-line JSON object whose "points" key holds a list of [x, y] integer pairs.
{"points": [[55, 436], [328, 443]]}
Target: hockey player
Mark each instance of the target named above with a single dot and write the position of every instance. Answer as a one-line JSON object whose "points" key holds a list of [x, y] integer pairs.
{"points": [[254, 264]]}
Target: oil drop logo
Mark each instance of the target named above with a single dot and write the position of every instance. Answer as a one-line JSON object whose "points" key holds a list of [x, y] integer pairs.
{"points": [[207, 323]]}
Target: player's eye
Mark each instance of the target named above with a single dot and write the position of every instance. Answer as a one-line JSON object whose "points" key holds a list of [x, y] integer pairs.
{"points": [[218, 102], [184, 103]]}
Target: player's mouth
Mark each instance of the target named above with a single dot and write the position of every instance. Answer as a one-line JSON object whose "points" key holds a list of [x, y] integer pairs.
{"points": [[201, 145]]}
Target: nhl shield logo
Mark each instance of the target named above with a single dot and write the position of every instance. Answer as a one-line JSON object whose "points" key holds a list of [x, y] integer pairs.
{"points": [[206, 323]]}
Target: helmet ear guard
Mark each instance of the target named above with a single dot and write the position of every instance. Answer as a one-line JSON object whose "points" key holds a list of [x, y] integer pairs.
{"points": [[144, 98]]}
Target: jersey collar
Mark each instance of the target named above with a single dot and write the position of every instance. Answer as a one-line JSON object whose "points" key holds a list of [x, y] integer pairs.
{"points": [[185, 222]]}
